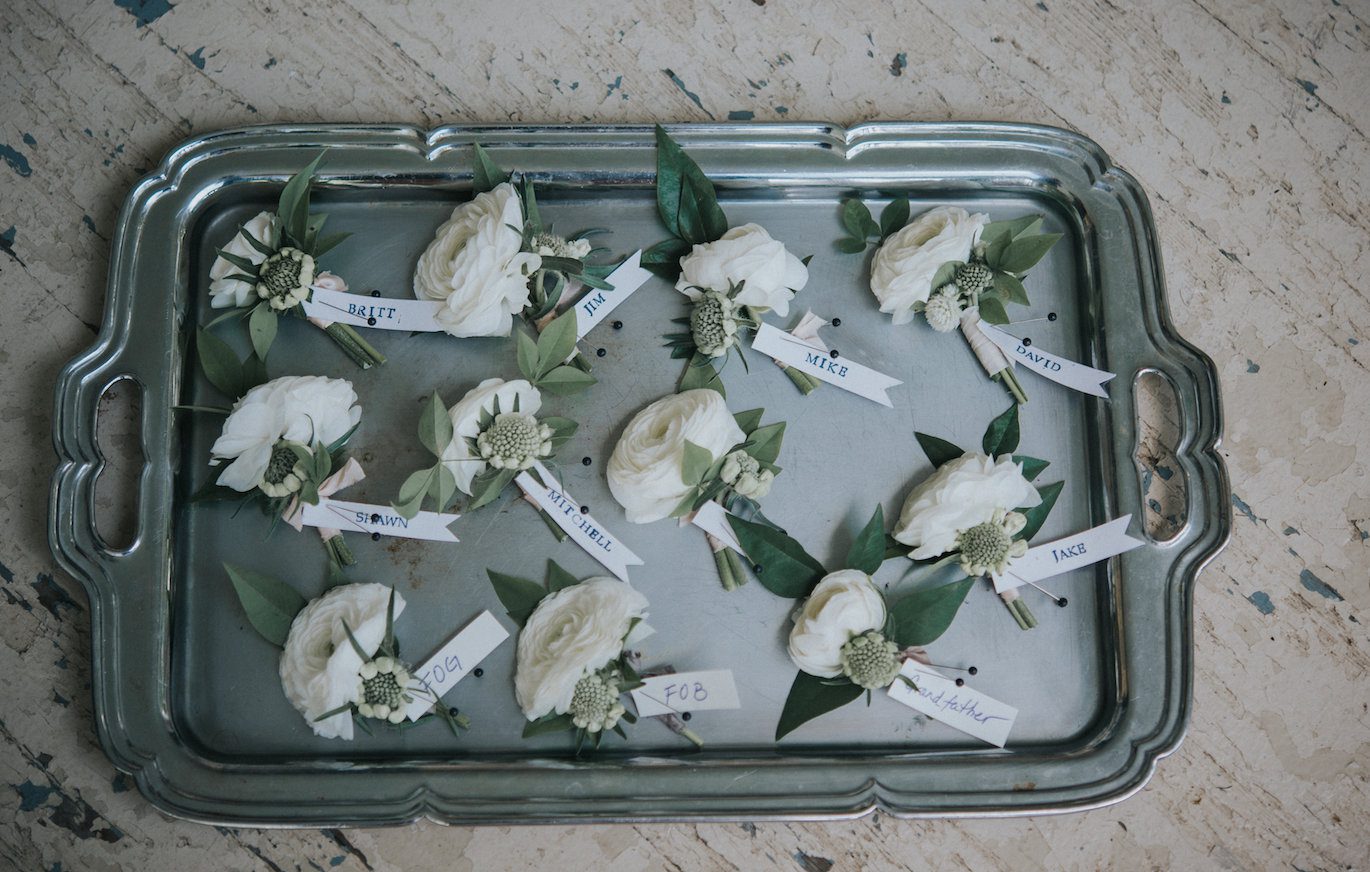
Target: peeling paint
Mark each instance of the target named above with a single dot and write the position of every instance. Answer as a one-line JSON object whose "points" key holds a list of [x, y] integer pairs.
{"points": [[1252, 366], [1261, 600], [899, 64], [197, 57], [16, 160], [810, 863], [53, 596], [741, 115], [1245, 509], [1319, 587], [146, 11], [676, 80]]}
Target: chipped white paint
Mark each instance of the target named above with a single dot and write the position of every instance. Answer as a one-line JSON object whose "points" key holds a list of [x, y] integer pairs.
{"points": [[1247, 122]]}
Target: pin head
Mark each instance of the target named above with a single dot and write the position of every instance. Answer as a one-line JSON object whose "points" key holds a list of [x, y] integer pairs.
{"points": [[837, 322], [1051, 316], [601, 352], [960, 682], [1027, 343], [375, 537], [618, 325], [833, 354], [375, 293], [1063, 602], [973, 671], [585, 461], [585, 510], [371, 322]]}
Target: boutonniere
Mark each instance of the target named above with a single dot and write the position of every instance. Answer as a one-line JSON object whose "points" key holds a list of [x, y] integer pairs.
{"points": [[978, 509], [572, 664], [849, 637], [731, 276], [687, 450], [494, 432], [340, 662], [495, 259], [271, 266], [954, 267], [283, 442]]}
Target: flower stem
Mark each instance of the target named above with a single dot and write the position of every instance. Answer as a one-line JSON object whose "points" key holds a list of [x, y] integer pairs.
{"points": [[1019, 609], [726, 572], [735, 566], [806, 383], [338, 552], [354, 345], [561, 534], [1010, 382]]}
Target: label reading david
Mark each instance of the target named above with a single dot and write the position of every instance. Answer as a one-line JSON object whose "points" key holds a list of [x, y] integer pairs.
{"points": [[964, 709], [1085, 379], [682, 692], [454, 660], [1072, 552], [823, 365], [371, 518], [588, 533], [596, 304]]}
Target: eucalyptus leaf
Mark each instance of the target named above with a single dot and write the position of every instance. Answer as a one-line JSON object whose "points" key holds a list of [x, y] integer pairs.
{"points": [[519, 596], [765, 442], [271, 605], [749, 420], [923, 615], [992, 311], [894, 216], [261, 327], [695, 463], [938, 450], [945, 273], [1023, 253], [1001, 437], [552, 723], [867, 551], [786, 568], [850, 245], [700, 373], [435, 426], [562, 430], [488, 485], [557, 578], [410, 499], [556, 343], [1011, 287], [328, 243], [663, 258], [221, 366], [485, 175], [995, 248], [442, 486], [566, 380], [254, 372], [1037, 515], [810, 697]]}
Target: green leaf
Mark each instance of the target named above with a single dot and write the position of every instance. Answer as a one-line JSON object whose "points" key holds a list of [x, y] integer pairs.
{"points": [[551, 723], [811, 696], [664, 257], [562, 430], [765, 442], [1011, 287], [786, 568], [270, 604], [527, 354], [995, 248], [1032, 467], [695, 464], [293, 207], [519, 596], [485, 175], [923, 615], [261, 327], [1037, 515], [678, 177], [1001, 437], [992, 311], [442, 487], [557, 342], [435, 426], [221, 366], [939, 451], [749, 420], [856, 217], [945, 273], [328, 243], [566, 380], [246, 266], [530, 205], [410, 499], [1023, 253], [867, 552], [557, 578], [488, 485], [700, 373], [850, 245], [894, 216], [254, 372]]}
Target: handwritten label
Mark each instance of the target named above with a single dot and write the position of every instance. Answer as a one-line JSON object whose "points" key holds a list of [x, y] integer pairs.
{"points": [[686, 692], [381, 313], [939, 698], [840, 371], [588, 533], [369, 518], [1085, 379], [713, 519], [451, 663], [1072, 552], [595, 305]]}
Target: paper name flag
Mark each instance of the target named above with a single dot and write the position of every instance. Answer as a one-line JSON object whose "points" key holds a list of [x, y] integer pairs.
{"points": [[939, 698], [454, 660], [814, 360], [1072, 552], [713, 519], [382, 313], [686, 692], [588, 533], [369, 518], [595, 305], [1085, 379]]}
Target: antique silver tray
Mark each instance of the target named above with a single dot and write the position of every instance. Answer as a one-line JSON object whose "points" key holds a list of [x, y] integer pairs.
{"points": [[187, 699]]}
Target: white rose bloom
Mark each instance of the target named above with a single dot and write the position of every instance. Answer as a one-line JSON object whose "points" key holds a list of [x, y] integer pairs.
{"points": [[745, 254], [320, 670], [959, 495], [475, 264], [572, 633], [228, 293], [844, 604], [904, 266], [464, 464], [644, 471], [293, 408]]}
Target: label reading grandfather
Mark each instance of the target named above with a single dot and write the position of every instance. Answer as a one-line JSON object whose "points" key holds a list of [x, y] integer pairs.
{"points": [[846, 374], [451, 663], [588, 533], [682, 692], [939, 698]]}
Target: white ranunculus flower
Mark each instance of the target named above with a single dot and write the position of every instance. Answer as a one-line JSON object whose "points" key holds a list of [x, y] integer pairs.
{"points": [[644, 471], [462, 462], [905, 264], [749, 255], [960, 494], [844, 604], [320, 670], [231, 293], [292, 408], [572, 633], [476, 265]]}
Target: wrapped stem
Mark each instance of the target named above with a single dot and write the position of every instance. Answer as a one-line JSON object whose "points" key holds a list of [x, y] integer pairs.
{"points": [[357, 348], [1010, 381], [552, 525], [1019, 609], [674, 723], [806, 383], [728, 568], [338, 552]]}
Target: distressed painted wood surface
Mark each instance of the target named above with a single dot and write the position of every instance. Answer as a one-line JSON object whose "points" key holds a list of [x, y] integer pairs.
{"points": [[1246, 122]]}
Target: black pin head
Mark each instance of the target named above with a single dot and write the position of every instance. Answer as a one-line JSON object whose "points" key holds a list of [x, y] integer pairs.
{"points": [[375, 293], [973, 671], [375, 518], [1051, 316], [757, 568], [685, 716], [1027, 342], [375, 537], [960, 682], [833, 354], [478, 672], [837, 322], [1063, 602], [585, 510], [601, 352], [618, 325], [585, 461], [371, 322], [453, 711]]}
